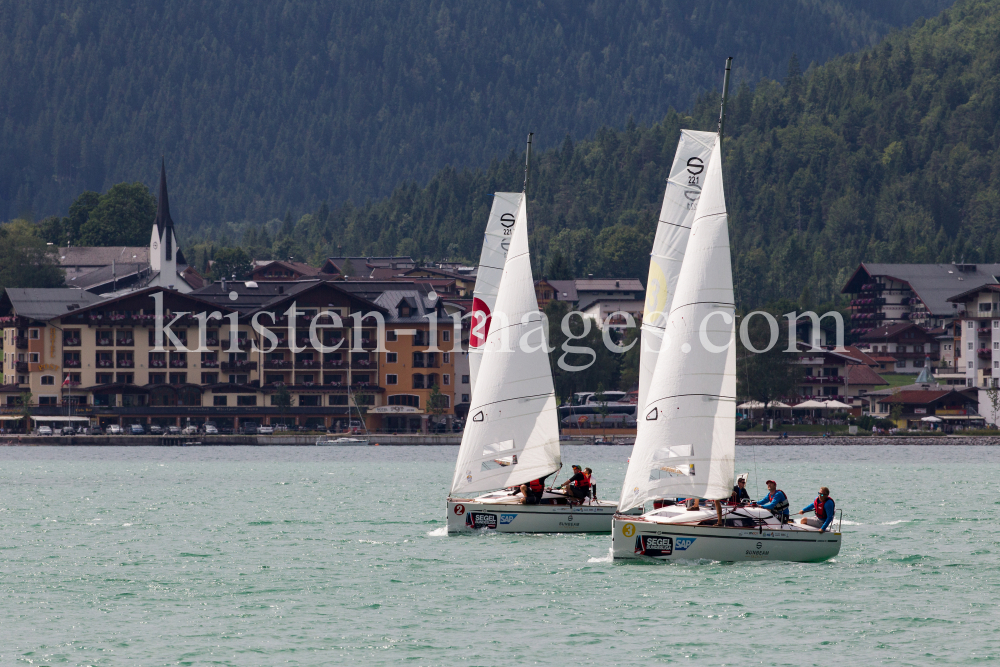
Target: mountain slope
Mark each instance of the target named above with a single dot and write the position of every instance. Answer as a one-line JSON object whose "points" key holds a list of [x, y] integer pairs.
{"points": [[264, 106], [891, 154]]}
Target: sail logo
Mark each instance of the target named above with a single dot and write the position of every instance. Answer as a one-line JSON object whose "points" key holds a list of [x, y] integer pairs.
{"points": [[682, 543], [654, 545], [695, 166], [628, 530], [480, 323], [506, 519], [481, 520]]}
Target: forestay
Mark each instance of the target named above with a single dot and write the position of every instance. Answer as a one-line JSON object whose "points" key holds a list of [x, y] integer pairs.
{"points": [[686, 440], [499, 229], [687, 176], [512, 433]]}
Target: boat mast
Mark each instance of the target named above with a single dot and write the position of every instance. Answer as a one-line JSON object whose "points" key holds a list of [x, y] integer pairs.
{"points": [[527, 163], [722, 111]]}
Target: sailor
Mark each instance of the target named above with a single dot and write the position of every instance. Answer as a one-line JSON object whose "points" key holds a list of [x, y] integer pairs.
{"points": [[776, 501], [740, 492], [578, 484], [532, 491], [590, 480], [824, 508]]}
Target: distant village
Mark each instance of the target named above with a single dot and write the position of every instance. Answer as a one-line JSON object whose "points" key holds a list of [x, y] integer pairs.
{"points": [[86, 352]]}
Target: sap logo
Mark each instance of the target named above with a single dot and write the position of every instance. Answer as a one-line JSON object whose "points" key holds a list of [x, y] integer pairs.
{"points": [[682, 543], [507, 518]]}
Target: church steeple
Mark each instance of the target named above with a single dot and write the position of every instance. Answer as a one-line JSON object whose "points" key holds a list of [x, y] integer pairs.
{"points": [[163, 222]]}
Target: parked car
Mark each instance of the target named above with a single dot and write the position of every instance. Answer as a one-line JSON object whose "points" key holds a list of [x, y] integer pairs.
{"points": [[173, 430], [67, 430], [136, 429], [280, 427], [114, 429], [155, 430], [210, 429], [266, 430], [189, 430], [44, 430], [249, 428], [89, 430]]}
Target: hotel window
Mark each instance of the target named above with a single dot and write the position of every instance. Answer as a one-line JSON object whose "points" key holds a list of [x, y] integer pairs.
{"points": [[105, 378], [48, 379], [446, 335], [309, 401], [157, 378], [390, 336], [996, 364], [178, 378], [238, 379], [465, 398], [971, 325], [46, 400], [33, 334], [970, 345], [970, 364], [246, 400], [391, 379], [338, 400], [126, 378], [33, 357], [996, 346], [209, 378], [220, 401], [465, 379], [446, 357], [447, 379], [391, 357]]}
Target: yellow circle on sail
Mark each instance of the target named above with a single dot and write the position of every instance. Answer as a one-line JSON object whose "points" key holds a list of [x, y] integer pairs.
{"points": [[656, 292], [628, 530]]}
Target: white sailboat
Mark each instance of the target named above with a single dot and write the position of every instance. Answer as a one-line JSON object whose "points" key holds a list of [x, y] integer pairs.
{"points": [[686, 440], [512, 434], [496, 243], [680, 199]]}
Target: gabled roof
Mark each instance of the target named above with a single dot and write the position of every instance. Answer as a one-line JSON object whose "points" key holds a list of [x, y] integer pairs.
{"points": [[301, 268], [109, 274], [924, 397], [932, 283], [970, 294], [862, 375], [391, 300], [855, 353], [609, 285], [38, 303], [93, 256], [565, 290]]}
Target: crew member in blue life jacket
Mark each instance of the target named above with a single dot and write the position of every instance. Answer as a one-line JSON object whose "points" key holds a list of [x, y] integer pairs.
{"points": [[776, 501], [740, 492], [824, 508]]}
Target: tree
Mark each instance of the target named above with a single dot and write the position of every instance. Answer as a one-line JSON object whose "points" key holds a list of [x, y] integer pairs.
{"points": [[993, 394], [558, 267], [765, 376], [24, 402], [25, 259], [123, 216], [436, 401], [283, 401], [231, 263]]}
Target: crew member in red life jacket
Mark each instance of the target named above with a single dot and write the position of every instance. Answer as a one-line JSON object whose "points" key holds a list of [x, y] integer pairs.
{"points": [[578, 484], [824, 508], [532, 491]]}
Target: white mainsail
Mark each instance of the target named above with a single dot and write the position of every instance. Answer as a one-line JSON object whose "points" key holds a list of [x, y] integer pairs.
{"points": [[686, 440], [512, 434], [684, 187], [496, 242]]}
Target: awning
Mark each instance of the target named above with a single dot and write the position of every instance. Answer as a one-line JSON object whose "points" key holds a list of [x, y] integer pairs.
{"points": [[959, 418], [60, 419], [837, 405], [932, 419], [10, 418], [754, 405], [810, 405]]}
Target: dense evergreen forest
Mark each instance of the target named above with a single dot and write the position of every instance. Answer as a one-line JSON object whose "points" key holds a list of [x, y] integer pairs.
{"points": [[888, 155], [263, 107]]}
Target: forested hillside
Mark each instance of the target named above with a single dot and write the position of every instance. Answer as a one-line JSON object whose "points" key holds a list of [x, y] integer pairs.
{"points": [[888, 155], [261, 107]]}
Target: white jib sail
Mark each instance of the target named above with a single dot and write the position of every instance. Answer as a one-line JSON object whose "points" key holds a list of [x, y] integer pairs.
{"points": [[687, 177], [499, 230], [686, 440], [512, 433]]}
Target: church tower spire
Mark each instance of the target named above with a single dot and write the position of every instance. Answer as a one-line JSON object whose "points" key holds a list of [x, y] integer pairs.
{"points": [[164, 223]]}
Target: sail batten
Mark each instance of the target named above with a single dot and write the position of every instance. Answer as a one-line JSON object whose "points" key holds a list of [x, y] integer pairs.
{"points": [[512, 434], [680, 198], [496, 242], [686, 438]]}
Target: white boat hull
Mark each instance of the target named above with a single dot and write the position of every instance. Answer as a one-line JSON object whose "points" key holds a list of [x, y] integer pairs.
{"points": [[502, 513], [646, 538]]}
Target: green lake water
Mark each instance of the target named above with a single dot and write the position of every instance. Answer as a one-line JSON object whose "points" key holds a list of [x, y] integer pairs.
{"points": [[327, 556]]}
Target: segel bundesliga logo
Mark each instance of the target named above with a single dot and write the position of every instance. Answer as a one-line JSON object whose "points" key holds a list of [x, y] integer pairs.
{"points": [[480, 520], [654, 546]]}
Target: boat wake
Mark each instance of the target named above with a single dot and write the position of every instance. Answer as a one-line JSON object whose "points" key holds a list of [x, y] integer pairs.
{"points": [[604, 559], [439, 532]]}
